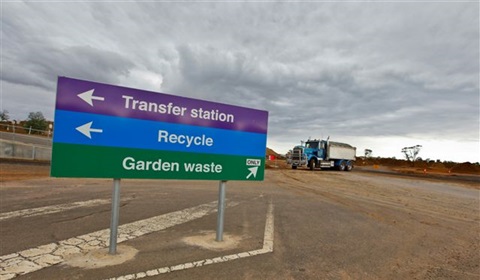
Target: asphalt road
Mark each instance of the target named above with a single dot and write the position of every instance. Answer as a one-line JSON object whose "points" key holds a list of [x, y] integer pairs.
{"points": [[324, 225]]}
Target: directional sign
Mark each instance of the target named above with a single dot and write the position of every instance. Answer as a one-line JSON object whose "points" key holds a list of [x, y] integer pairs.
{"points": [[107, 131]]}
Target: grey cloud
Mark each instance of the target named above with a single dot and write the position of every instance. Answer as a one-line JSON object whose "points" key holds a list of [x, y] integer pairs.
{"points": [[353, 69], [43, 65]]}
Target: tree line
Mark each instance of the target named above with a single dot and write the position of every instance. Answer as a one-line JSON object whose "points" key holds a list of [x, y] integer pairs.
{"points": [[35, 122]]}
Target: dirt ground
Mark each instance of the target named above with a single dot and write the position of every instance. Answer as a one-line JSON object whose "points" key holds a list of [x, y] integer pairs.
{"points": [[12, 171], [465, 173], [436, 221], [24, 170]]}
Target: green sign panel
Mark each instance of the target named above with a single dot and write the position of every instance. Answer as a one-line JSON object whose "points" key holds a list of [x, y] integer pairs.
{"points": [[110, 162]]}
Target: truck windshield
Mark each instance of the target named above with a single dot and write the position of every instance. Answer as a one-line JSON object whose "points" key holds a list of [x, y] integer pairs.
{"points": [[313, 145]]}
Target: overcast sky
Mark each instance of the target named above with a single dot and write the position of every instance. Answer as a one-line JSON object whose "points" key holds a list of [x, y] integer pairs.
{"points": [[376, 75]]}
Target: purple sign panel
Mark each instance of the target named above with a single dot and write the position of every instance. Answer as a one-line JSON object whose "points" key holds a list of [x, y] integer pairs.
{"points": [[98, 98]]}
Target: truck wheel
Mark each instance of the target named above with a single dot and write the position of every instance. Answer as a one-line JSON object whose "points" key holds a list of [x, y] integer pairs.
{"points": [[341, 167], [312, 164], [294, 167], [349, 166]]}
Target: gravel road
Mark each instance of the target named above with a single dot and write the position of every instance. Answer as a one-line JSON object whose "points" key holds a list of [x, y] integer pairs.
{"points": [[431, 228]]}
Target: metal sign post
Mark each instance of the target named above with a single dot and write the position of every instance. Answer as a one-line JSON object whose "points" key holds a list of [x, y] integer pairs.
{"points": [[221, 210], [115, 214]]}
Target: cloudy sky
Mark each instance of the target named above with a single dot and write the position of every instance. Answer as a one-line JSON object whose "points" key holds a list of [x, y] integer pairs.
{"points": [[377, 75]]}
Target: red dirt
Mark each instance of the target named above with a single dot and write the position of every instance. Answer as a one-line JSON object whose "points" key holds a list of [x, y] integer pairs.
{"points": [[22, 171]]}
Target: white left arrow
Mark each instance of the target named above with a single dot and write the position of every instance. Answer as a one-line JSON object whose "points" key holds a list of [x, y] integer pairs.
{"points": [[89, 97], [253, 171], [86, 129]]}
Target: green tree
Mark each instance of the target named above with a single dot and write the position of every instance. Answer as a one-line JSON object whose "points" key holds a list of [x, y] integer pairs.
{"points": [[4, 117], [411, 153], [368, 153], [36, 121]]}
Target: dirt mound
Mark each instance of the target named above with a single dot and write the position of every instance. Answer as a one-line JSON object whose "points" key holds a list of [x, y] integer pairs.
{"points": [[466, 168], [437, 166], [278, 160], [421, 166], [271, 152]]}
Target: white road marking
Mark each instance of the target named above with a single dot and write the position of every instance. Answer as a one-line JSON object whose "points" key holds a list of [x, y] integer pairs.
{"points": [[267, 248], [52, 209], [40, 257]]}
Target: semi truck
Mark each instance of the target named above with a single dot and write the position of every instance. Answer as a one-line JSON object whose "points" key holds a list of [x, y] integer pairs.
{"points": [[323, 154]]}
